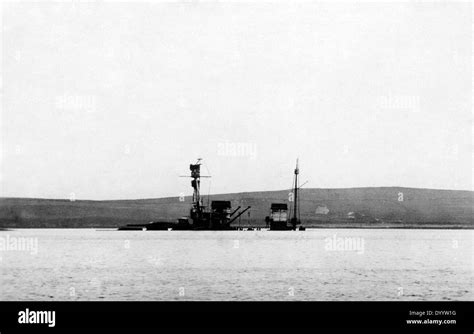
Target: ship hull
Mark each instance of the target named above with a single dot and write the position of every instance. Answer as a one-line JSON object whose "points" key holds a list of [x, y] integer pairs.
{"points": [[165, 226]]}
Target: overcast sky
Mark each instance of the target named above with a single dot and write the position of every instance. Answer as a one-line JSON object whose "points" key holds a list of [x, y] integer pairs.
{"points": [[115, 100]]}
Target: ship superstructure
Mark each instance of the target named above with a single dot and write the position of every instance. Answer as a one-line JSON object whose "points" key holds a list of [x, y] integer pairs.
{"points": [[218, 216], [278, 220]]}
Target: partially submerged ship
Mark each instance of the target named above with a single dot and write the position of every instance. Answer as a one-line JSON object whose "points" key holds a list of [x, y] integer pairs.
{"points": [[278, 218], [219, 216]]}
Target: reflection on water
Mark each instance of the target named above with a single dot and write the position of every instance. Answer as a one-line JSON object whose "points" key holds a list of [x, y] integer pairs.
{"points": [[322, 264]]}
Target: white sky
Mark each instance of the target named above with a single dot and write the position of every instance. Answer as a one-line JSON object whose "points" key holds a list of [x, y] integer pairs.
{"points": [[114, 100]]}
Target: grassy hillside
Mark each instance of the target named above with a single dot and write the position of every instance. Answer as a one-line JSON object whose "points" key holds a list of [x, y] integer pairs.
{"points": [[355, 207]]}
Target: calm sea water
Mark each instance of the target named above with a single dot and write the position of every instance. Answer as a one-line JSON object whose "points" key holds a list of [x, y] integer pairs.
{"points": [[320, 264]]}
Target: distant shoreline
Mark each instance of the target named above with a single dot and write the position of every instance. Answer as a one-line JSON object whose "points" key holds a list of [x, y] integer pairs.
{"points": [[358, 208], [339, 227]]}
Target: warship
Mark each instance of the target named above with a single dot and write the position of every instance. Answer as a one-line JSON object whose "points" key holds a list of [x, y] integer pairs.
{"points": [[218, 216]]}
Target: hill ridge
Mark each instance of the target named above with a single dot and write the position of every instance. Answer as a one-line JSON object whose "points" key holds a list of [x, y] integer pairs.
{"points": [[321, 207]]}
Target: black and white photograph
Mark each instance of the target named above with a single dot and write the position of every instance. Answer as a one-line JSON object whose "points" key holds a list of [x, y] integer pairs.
{"points": [[236, 151]]}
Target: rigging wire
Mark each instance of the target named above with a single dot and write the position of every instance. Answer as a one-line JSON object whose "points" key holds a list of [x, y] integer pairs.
{"points": [[209, 189]]}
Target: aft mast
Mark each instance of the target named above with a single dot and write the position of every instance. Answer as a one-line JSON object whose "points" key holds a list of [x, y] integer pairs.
{"points": [[295, 220]]}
